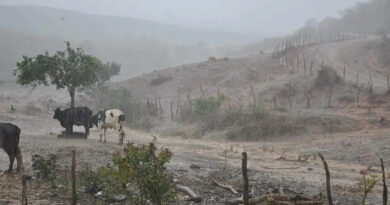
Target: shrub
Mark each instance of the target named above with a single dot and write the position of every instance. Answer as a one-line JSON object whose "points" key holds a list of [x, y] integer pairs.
{"points": [[327, 76], [206, 105], [212, 59], [140, 167], [160, 79]]}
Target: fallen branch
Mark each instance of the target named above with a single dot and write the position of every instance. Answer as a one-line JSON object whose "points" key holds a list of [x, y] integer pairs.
{"points": [[228, 187], [193, 195], [266, 167]]}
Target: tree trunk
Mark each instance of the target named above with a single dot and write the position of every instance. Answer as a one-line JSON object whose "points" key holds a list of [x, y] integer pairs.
{"points": [[330, 96], [311, 65], [344, 74], [72, 92]]}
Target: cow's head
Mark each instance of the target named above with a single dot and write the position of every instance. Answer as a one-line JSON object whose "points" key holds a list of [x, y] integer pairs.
{"points": [[57, 114], [93, 120]]}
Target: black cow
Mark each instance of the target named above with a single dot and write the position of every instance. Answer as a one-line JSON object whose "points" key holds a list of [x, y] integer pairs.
{"points": [[9, 141], [79, 116]]}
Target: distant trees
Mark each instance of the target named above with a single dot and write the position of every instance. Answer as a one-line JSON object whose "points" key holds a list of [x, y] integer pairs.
{"points": [[70, 69]]}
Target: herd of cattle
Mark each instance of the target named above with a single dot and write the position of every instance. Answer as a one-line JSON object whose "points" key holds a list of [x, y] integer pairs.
{"points": [[79, 116]]}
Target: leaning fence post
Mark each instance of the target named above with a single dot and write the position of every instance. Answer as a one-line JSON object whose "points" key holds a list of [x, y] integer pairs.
{"points": [[74, 194], [245, 177], [328, 190]]}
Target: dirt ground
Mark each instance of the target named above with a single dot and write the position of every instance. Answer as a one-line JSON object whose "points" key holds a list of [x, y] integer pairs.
{"points": [[272, 164]]}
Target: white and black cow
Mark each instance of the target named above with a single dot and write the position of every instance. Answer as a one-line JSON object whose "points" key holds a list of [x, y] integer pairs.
{"points": [[109, 119], [9, 141]]}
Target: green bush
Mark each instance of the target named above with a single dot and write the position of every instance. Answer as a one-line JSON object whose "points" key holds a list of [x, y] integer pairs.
{"points": [[206, 105], [138, 167]]}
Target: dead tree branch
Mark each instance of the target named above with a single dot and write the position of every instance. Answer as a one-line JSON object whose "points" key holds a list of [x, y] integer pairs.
{"points": [[193, 195], [228, 187]]}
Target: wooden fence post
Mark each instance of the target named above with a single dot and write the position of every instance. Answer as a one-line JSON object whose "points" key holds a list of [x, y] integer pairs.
{"points": [[24, 190], [19, 159], [20, 169], [328, 189], [384, 183], [245, 195], [74, 193]]}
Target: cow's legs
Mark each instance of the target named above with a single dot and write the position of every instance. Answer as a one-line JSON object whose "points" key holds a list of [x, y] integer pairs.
{"points": [[121, 134], [86, 127], [101, 134], [17, 152], [11, 156], [105, 131], [69, 129]]}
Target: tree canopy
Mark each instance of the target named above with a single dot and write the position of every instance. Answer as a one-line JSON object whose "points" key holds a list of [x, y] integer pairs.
{"points": [[69, 69]]}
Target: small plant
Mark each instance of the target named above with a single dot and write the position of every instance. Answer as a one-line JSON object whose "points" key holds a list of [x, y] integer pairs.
{"points": [[45, 168], [369, 184]]}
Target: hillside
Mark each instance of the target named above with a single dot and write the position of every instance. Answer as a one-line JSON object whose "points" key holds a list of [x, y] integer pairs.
{"points": [[77, 26], [140, 46], [234, 76], [272, 83]]}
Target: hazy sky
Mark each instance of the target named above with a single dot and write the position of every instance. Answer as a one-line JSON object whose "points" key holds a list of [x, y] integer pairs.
{"points": [[264, 17]]}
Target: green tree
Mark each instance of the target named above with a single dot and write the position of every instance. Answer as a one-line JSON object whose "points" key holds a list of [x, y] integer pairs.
{"points": [[70, 69]]}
